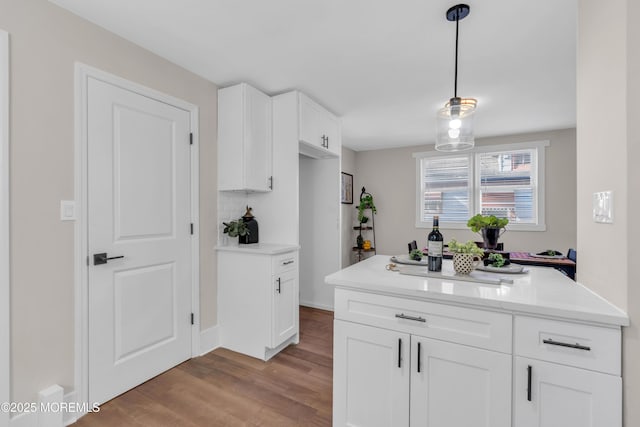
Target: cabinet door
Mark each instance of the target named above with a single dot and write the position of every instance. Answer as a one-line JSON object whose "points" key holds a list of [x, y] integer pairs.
{"points": [[549, 395], [453, 385], [285, 307], [319, 128], [370, 376], [310, 127], [257, 140]]}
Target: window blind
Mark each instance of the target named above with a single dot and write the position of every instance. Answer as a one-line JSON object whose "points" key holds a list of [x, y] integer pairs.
{"points": [[446, 188]]}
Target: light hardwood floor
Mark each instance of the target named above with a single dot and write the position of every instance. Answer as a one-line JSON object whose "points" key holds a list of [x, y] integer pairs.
{"points": [[223, 388]]}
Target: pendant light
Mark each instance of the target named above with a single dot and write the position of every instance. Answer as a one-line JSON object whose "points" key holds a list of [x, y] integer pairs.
{"points": [[455, 120]]}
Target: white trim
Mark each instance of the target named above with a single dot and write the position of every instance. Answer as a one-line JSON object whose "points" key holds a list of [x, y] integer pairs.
{"points": [[539, 175], [30, 419], [209, 339], [82, 73], [5, 264]]}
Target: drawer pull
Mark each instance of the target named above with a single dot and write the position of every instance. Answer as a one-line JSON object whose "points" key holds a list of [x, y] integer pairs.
{"points": [[288, 262], [416, 319], [279, 282], [564, 344], [529, 370]]}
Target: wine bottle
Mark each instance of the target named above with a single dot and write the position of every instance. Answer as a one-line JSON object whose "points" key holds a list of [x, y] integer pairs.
{"points": [[435, 243]]}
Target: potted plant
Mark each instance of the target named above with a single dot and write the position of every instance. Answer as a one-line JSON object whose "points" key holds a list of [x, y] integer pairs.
{"points": [[490, 228], [366, 202], [466, 256], [238, 229]]}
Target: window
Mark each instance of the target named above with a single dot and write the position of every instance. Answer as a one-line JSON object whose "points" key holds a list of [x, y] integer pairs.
{"points": [[505, 181]]}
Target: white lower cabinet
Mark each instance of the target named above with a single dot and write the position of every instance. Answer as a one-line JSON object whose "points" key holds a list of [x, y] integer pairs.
{"points": [[390, 378], [407, 362], [458, 386], [566, 374], [370, 376], [549, 395], [258, 301]]}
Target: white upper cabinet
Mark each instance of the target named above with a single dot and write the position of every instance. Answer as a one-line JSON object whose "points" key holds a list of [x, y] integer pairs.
{"points": [[319, 130], [244, 139]]}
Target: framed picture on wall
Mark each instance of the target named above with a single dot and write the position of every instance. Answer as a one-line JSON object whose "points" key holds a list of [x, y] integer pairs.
{"points": [[346, 193]]}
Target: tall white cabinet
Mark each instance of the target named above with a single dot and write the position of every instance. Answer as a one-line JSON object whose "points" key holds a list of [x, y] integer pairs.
{"points": [[279, 155]]}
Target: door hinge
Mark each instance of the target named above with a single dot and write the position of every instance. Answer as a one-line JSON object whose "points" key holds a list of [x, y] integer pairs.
{"points": [[192, 229], [191, 139], [193, 319]]}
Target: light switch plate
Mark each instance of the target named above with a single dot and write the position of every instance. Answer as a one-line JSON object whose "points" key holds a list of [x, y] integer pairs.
{"points": [[67, 210], [603, 207]]}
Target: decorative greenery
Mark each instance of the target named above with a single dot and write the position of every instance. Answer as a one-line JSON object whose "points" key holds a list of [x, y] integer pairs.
{"points": [[236, 228], [496, 260], [366, 202], [549, 252], [479, 221], [416, 255], [465, 248]]}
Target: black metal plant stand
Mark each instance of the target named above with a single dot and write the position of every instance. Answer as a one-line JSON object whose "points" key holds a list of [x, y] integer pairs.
{"points": [[360, 251]]}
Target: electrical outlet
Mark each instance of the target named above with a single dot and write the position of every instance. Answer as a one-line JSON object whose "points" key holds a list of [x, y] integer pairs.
{"points": [[603, 207]]}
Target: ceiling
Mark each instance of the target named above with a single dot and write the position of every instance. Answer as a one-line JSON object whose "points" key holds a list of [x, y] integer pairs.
{"points": [[385, 67]]}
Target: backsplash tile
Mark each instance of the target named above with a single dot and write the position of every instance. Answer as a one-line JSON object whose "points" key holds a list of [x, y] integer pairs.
{"points": [[231, 206]]}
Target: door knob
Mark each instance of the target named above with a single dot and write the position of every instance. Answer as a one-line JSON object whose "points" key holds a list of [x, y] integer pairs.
{"points": [[102, 258]]}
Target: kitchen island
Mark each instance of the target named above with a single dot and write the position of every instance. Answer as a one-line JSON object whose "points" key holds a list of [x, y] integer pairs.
{"points": [[412, 350]]}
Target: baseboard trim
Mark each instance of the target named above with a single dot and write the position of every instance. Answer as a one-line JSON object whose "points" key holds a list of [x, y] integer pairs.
{"points": [[30, 419], [315, 305], [209, 339]]}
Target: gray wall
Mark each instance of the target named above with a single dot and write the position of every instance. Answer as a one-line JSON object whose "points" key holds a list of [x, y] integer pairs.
{"points": [[348, 211], [608, 152], [390, 175], [46, 41]]}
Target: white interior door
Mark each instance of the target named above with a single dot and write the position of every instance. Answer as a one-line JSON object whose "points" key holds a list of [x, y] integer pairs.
{"points": [[138, 209]]}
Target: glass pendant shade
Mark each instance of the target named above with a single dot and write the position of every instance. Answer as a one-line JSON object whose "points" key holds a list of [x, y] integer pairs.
{"points": [[455, 126]]}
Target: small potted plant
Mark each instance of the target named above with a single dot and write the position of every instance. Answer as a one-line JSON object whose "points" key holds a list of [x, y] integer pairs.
{"points": [[366, 202], [238, 229], [490, 228], [466, 256]]}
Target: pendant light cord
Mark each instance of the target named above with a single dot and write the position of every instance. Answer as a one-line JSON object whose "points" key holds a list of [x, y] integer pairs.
{"points": [[455, 81]]}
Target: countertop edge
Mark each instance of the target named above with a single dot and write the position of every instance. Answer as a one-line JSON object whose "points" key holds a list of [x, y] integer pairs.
{"points": [[512, 307], [259, 248]]}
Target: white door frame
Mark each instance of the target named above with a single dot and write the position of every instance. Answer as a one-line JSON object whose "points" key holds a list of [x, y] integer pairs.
{"points": [[82, 73], [5, 330]]}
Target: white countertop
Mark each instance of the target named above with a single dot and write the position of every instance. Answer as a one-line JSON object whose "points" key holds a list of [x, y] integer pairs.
{"points": [[542, 291], [259, 248]]}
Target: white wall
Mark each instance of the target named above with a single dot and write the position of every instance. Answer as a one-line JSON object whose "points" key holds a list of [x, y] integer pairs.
{"points": [[390, 176], [608, 149], [46, 41]]}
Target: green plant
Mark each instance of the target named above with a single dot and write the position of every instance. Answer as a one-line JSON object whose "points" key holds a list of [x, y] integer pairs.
{"points": [[366, 202], [465, 248], [235, 228], [496, 260], [479, 221], [416, 255]]}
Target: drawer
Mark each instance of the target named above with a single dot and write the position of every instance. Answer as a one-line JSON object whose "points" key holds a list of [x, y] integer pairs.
{"points": [[584, 346], [285, 262], [478, 328]]}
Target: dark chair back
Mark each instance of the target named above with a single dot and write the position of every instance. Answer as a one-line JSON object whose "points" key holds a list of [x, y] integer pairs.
{"points": [[571, 254], [412, 246]]}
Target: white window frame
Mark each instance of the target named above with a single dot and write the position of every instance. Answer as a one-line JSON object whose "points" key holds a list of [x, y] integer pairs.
{"points": [[475, 190]]}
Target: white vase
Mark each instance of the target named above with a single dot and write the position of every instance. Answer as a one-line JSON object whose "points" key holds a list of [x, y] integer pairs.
{"points": [[465, 263]]}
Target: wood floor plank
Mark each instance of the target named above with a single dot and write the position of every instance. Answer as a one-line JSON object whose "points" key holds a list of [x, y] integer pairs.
{"points": [[224, 388]]}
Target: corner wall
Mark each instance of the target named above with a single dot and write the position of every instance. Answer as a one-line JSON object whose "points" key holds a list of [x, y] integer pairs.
{"points": [[46, 41], [390, 176], [347, 212]]}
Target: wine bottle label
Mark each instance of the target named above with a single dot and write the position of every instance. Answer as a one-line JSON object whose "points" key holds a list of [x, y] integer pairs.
{"points": [[435, 249]]}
